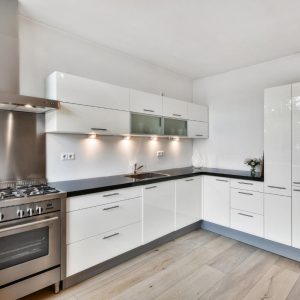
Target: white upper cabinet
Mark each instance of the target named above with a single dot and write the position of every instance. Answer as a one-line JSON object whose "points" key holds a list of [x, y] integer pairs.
{"points": [[197, 112], [277, 140], [145, 103], [296, 134], [174, 108], [197, 129], [79, 90], [74, 118]]}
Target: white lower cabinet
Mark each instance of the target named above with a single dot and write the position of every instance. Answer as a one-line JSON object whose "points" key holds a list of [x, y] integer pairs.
{"points": [[296, 217], [278, 219], [158, 210], [94, 250], [188, 201], [216, 200]]}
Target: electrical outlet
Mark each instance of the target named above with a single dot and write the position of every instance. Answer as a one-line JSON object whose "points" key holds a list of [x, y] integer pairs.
{"points": [[71, 156], [67, 156], [160, 153], [64, 156]]}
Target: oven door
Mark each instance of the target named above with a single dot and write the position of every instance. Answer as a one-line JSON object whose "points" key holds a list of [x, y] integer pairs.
{"points": [[29, 246]]}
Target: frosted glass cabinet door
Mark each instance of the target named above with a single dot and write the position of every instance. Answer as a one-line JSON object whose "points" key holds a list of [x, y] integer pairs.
{"points": [[145, 124], [296, 134], [175, 127], [277, 140]]}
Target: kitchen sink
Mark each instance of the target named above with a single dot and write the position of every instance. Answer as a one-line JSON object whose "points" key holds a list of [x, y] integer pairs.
{"points": [[146, 175]]}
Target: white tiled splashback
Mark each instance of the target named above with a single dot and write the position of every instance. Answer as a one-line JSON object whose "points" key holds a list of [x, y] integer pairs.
{"points": [[110, 155]]}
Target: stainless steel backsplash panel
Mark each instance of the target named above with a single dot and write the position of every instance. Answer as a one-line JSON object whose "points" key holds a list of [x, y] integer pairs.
{"points": [[22, 146]]}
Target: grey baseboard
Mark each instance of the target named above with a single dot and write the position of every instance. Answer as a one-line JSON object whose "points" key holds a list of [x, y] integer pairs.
{"points": [[86, 274], [280, 249]]}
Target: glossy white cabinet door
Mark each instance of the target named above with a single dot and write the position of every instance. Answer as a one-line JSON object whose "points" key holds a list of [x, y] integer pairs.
{"points": [[158, 210], [277, 140], [296, 217], [278, 219], [73, 118], [174, 108], [188, 201], [216, 200], [197, 129], [80, 90], [296, 134], [197, 112], [145, 103]]}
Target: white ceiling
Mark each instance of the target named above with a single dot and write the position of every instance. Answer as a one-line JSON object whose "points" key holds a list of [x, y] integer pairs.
{"points": [[196, 38]]}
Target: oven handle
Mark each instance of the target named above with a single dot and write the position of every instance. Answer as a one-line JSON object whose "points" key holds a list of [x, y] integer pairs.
{"points": [[28, 224]]}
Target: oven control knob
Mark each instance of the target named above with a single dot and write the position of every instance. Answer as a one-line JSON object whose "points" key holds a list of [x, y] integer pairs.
{"points": [[20, 213], [1, 216], [30, 211], [39, 209]]}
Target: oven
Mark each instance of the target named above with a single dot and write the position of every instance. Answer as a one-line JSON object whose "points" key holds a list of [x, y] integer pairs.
{"points": [[29, 246]]}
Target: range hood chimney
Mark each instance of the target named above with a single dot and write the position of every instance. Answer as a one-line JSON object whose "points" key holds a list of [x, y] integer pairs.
{"points": [[10, 98]]}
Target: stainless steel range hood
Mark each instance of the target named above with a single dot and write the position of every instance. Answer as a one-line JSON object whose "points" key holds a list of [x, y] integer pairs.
{"points": [[16, 102]]}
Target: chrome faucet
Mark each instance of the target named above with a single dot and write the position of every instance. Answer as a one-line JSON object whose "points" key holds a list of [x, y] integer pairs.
{"points": [[136, 168]]}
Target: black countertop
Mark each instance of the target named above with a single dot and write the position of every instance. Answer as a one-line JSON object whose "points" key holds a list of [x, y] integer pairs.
{"points": [[101, 184]]}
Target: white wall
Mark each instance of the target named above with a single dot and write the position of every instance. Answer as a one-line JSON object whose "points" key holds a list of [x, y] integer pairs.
{"points": [[44, 50], [235, 102]]}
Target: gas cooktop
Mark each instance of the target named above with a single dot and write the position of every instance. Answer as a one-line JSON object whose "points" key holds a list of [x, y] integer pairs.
{"points": [[26, 191]]}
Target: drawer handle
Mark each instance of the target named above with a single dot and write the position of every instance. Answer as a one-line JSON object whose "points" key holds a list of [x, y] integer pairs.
{"points": [[109, 195], [199, 134], [295, 190], [191, 179], [148, 110], [222, 180], [245, 215], [296, 182], [112, 207], [246, 193], [110, 236], [99, 129], [177, 115], [276, 187], [151, 187], [248, 183]]}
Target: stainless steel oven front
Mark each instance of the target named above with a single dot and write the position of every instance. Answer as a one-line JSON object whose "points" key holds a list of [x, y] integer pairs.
{"points": [[29, 246]]}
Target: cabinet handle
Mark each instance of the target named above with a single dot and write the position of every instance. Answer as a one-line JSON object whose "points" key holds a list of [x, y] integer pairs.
{"points": [[151, 187], [98, 129], [199, 134], [177, 115], [245, 215], [222, 180], [248, 183], [296, 182], [246, 193], [109, 195], [295, 190], [110, 236], [191, 179], [112, 207], [149, 110], [276, 187]]}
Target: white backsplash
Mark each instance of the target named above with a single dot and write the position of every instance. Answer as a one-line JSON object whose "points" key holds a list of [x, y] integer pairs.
{"points": [[110, 155]]}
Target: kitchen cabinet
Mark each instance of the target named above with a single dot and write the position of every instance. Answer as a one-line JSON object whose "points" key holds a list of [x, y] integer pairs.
{"points": [[216, 200], [277, 140], [296, 217], [296, 134], [175, 127], [188, 201], [158, 210], [197, 112], [145, 124], [146, 103], [174, 108], [197, 129], [277, 218], [79, 90], [74, 118], [247, 185]]}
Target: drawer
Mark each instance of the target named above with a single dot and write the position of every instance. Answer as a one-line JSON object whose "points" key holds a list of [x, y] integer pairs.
{"points": [[247, 201], [95, 199], [247, 222], [247, 185], [92, 251], [88, 222]]}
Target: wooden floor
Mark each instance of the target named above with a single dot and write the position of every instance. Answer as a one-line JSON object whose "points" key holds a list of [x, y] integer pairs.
{"points": [[200, 265]]}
